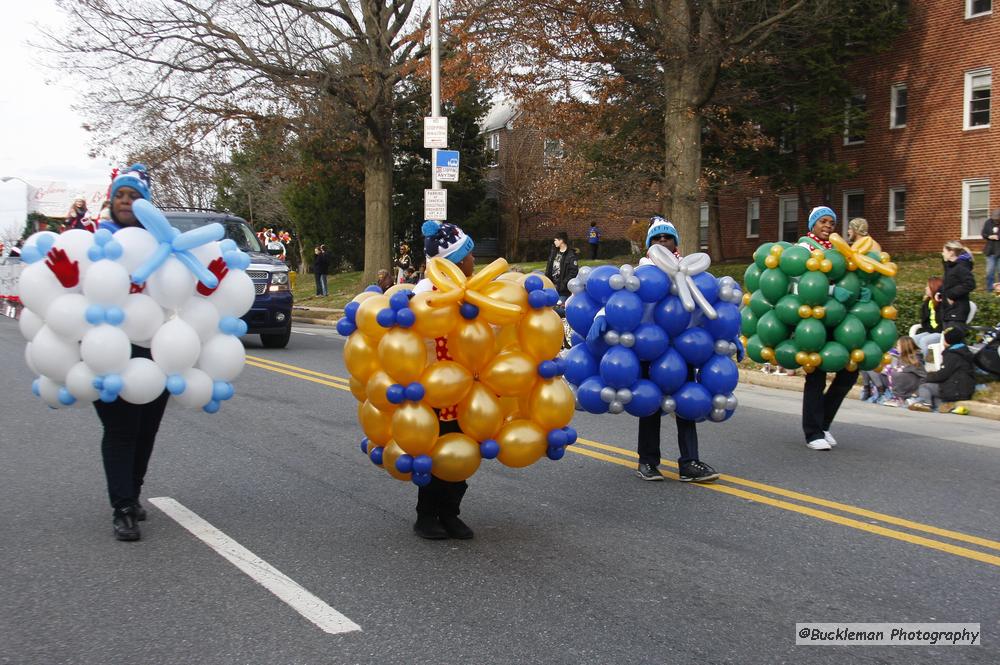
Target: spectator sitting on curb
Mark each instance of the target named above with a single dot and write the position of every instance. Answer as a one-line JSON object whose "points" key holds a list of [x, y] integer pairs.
{"points": [[956, 379]]}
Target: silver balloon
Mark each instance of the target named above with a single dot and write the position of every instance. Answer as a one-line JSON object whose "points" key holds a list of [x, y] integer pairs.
{"points": [[673, 288], [624, 395], [584, 273], [732, 403], [627, 340], [616, 407], [668, 405], [607, 394], [611, 338], [717, 415], [616, 282], [719, 402], [725, 293], [726, 280], [575, 285], [626, 270], [632, 283], [722, 347], [733, 349], [681, 273]]}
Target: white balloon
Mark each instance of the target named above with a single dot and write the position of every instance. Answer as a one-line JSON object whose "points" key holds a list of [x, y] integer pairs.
{"points": [[53, 355], [171, 285], [49, 392], [207, 253], [28, 361], [106, 349], [198, 391], [38, 287], [235, 294], [106, 283], [176, 346], [223, 357], [80, 383], [138, 245], [29, 323], [143, 317], [67, 316], [201, 314], [75, 243], [142, 381]]}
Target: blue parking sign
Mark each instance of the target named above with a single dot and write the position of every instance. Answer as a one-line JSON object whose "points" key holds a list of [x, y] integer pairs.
{"points": [[446, 165]]}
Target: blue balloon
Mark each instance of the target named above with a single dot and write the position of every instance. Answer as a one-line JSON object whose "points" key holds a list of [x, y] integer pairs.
{"points": [[695, 345], [654, 284], [236, 259], [222, 390], [547, 368], [624, 311], [538, 299], [578, 364], [102, 237], [345, 327], [708, 285], [421, 479], [66, 398], [350, 310], [669, 371], [114, 315], [719, 375], [405, 318], [386, 317], [533, 283], [589, 395], [94, 315], [36, 388], [376, 455], [95, 253], [201, 235], [555, 453], [228, 245], [404, 463], [727, 325], [556, 438], [489, 449], [553, 297], [570, 435], [108, 397], [31, 254], [575, 338], [364, 445], [113, 250], [670, 315], [230, 325], [175, 384], [646, 399], [619, 367], [399, 300], [373, 288], [651, 341], [414, 392], [422, 464], [468, 311], [694, 402], [395, 394], [212, 407], [98, 383], [598, 287], [580, 312], [113, 383]]}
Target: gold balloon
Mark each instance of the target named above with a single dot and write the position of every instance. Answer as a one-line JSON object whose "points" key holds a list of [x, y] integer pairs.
{"points": [[819, 312], [365, 317], [392, 290], [480, 414], [808, 369], [541, 334], [358, 389], [510, 373], [446, 383], [776, 250], [889, 312], [805, 311], [815, 359], [360, 356], [415, 428], [826, 265], [510, 408], [546, 282], [552, 404], [884, 257], [376, 424], [506, 339], [432, 321], [767, 353], [507, 292], [886, 359], [515, 277], [857, 355], [817, 254], [522, 442], [375, 390], [771, 261], [456, 457], [390, 454], [812, 263], [801, 357], [471, 344], [403, 355], [852, 366], [363, 296], [746, 301]]}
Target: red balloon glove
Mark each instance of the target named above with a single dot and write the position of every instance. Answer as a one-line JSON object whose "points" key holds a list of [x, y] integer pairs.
{"points": [[218, 268], [66, 271]]}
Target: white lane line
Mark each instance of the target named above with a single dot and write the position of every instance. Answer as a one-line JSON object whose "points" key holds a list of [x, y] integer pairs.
{"points": [[288, 590]]}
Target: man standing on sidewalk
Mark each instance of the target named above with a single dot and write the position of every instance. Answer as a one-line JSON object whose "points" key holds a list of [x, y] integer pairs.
{"points": [[991, 234], [321, 268]]}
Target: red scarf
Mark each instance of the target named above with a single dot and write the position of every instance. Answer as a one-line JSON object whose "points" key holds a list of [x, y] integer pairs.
{"points": [[825, 243]]}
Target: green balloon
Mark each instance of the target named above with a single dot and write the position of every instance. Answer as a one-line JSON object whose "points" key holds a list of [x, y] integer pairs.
{"points": [[839, 264], [784, 354], [851, 283], [835, 313], [784, 244], [813, 288], [771, 330], [787, 309], [762, 253], [748, 322], [759, 304], [868, 312], [883, 290], [850, 333], [835, 357], [793, 260], [810, 335], [873, 356], [751, 278], [884, 334], [773, 284], [754, 346]]}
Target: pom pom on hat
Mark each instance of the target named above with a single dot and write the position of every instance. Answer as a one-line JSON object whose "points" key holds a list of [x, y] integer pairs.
{"points": [[818, 212], [445, 240], [660, 226], [135, 177]]}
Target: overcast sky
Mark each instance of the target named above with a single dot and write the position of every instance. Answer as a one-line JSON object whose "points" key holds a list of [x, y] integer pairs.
{"points": [[40, 135]]}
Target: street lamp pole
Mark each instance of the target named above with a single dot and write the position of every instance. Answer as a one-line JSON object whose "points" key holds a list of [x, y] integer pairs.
{"points": [[435, 76]]}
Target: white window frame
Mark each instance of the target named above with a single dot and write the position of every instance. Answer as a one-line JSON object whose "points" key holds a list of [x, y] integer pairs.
{"points": [[493, 149], [847, 117], [893, 226], [844, 211], [781, 214], [968, 10], [967, 185], [751, 204], [967, 98], [893, 98]]}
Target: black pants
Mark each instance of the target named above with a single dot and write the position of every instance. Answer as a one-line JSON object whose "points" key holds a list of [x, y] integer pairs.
{"points": [[649, 439], [819, 408], [129, 433], [440, 497], [593, 249]]}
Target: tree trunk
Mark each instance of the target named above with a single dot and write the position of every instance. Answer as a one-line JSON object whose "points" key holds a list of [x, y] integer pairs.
{"points": [[682, 163], [715, 247], [378, 196]]}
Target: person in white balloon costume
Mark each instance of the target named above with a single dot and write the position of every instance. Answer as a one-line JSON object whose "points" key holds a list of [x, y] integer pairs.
{"points": [[127, 317]]}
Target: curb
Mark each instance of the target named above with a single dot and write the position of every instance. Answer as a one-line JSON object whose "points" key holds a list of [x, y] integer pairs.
{"points": [[317, 322], [796, 383]]}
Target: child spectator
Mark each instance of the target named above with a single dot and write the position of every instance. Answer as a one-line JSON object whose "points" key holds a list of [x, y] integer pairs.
{"points": [[955, 380], [908, 372], [930, 316]]}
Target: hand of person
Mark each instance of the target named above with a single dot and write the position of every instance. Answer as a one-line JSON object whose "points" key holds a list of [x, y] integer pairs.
{"points": [[597, 329], [994, 237], [866, 294], [218, 268], [950, 301], [66, 271], [841, 294]]}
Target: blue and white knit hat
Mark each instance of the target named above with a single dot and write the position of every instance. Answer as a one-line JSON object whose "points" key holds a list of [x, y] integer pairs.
{"points": [[660, 226], [135, 177], [445, 240], [821, 211]]}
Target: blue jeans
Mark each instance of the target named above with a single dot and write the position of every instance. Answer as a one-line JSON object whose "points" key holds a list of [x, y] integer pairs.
{"points": [[321, 284], [991, 270], [925, 339]]}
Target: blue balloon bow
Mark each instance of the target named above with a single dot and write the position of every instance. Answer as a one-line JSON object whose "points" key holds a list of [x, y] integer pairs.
{"points": [[173, 242]]}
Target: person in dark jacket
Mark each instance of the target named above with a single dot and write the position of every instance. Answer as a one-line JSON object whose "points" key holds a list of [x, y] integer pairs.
{"points": [[562, 265], [991, 234], [958, 283], [929, 331], [955, 381], [321, 268]]}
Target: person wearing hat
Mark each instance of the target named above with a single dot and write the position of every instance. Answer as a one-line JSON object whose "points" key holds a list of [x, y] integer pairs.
{"points": [[77, 217], [991, 250], [955, 381], [439, 502], [822, 222], [857, 229]]}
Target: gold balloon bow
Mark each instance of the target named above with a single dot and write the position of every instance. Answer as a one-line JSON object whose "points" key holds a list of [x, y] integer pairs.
{"points": [[454, 287], [858, 254]]}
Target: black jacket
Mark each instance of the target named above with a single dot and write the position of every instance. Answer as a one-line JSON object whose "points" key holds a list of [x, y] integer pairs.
{"points": [[991, 227], [958, 283], [568, 268], [926, 324], [957, 374], [321, 263]]}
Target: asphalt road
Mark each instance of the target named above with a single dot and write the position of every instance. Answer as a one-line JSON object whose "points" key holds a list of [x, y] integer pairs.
{"points": [[575, 561]]}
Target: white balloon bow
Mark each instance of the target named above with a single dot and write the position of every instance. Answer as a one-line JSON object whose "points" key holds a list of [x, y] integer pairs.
{"points": [[681, 273]]}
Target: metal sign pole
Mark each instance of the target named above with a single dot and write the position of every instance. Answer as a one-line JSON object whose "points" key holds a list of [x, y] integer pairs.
{"points": [[435, 77]]}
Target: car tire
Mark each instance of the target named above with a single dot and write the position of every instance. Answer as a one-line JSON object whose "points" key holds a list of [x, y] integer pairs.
{"points": [[277, 341]]}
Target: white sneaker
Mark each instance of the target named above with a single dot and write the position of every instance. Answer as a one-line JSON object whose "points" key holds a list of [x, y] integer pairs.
{"points": [[818, 444], [829, 438]]}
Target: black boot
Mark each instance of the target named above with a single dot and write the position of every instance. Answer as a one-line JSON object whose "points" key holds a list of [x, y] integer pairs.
{"points": [[451, 502], [125, 524], [140, 512], [456, 528], [429, 527]]}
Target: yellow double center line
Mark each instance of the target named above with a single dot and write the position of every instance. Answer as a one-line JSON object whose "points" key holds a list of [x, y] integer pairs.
{"points": [[789, 500]]}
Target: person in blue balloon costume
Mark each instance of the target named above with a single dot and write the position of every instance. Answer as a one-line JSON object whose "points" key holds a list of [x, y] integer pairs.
{"points": [[657, 339]]}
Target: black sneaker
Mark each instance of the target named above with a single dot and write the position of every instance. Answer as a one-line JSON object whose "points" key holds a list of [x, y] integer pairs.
{"points": [[125, 525], [648, 472], [456, 528], [140, 512], [429, 527], [697, 472]]}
